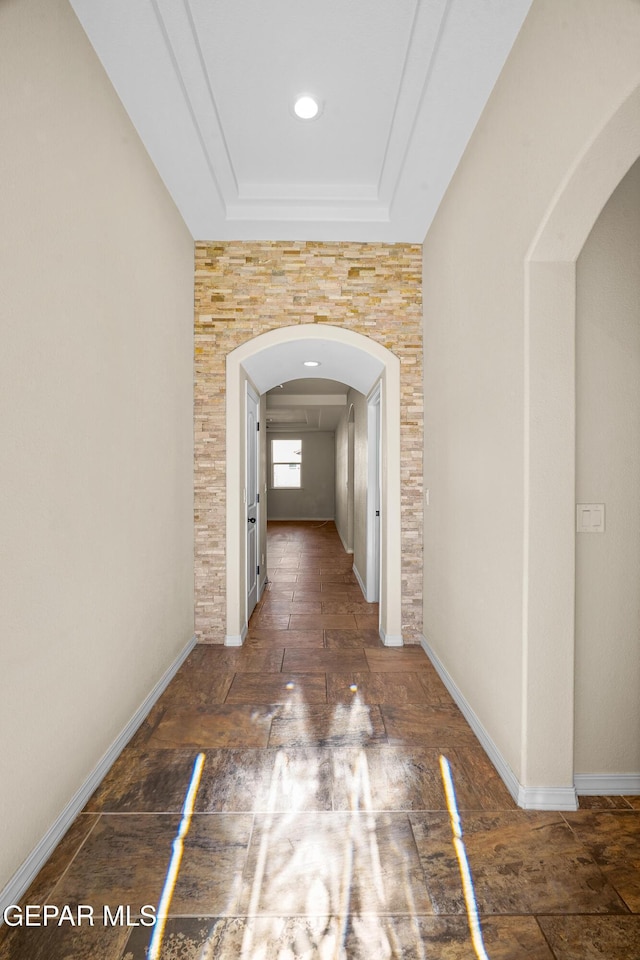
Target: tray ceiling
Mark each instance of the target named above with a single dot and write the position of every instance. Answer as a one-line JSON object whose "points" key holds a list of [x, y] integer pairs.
{"points": [[210, 84]]}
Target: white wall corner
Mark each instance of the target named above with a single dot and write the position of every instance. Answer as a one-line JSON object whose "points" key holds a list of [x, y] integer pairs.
{"points": [[504, 770], [25, 874], [236, 639], [317, 520], [607, 784], [344, 546], [391, 640], [361, 582], [529, 798], [547, 798]]}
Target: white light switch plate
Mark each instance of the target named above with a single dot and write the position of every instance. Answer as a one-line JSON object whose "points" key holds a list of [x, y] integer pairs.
{"points": [[590, 518]]}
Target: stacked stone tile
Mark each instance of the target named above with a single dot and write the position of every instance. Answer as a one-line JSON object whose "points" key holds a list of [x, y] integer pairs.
{"points": [[243, 289]]}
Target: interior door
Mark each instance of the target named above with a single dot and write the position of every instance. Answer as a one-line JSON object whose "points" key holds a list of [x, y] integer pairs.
{"points": [[375, 520], [373, 496], [252, 499]]}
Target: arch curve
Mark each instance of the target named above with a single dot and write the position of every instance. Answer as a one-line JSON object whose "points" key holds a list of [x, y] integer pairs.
{"points": [[588, 185], [270, 358], [549, 486]]}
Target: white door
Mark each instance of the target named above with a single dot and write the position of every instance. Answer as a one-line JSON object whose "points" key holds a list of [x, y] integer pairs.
{"points": [[252, 499], [373, 498]]}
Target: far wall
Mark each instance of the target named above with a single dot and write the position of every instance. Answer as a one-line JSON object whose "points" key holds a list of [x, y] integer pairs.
{"points": [[315, 500], [244, 289]]}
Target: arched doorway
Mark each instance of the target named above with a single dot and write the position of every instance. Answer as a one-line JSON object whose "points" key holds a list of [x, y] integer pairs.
{"points": [[549, 487], [350, 358]]}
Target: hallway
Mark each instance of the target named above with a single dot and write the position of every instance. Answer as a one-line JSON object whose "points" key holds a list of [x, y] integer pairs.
{"points": [[308, 775]]}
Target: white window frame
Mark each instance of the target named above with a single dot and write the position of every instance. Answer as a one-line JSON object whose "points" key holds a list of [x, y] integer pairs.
{"points": [[274, 462]]}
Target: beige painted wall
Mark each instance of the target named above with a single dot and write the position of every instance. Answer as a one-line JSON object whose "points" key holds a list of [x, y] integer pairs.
{"points": [[315, 500], [573, 63], [358, 402], [608, 471], [96, 553], [342, 492]]}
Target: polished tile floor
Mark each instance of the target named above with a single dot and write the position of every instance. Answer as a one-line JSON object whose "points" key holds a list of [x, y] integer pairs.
{"points": [[320, 796]]}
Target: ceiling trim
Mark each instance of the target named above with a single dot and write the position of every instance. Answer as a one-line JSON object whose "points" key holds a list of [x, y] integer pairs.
{"points": [[439, 67], [306, 400], [422, 50], [298, 202], [304, 210], [176, 19]]}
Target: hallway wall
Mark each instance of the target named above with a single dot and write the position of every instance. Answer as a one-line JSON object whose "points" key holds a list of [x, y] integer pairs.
{"points": [[316, 499], [571, 66], [358, 401], [608, 471], [344, 523], [96, 551], [244, 289]]}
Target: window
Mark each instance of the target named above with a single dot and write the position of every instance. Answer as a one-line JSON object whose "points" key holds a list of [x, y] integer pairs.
{"points": [[286, 464]]}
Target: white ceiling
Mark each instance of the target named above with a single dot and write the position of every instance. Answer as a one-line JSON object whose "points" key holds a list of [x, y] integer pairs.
{"points": [[309, 386], [209, 85], [306, 404], [345, 363]]}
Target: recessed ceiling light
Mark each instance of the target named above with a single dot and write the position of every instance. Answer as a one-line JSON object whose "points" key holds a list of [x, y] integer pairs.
{"points": [[312, 363], [306, 108]]}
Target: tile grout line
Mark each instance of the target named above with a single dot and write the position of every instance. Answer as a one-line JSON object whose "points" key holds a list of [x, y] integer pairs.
{"points": [[68, 866]]}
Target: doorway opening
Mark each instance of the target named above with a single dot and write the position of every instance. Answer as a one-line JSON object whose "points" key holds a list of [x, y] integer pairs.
{"points": [[549, 505], [350, 358], [252, 498]]}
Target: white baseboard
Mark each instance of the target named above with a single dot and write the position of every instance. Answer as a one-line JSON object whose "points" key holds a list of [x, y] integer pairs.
{"points": [[390, 639], [302, 519], [344, 546], [236, 639], [21, 879], [547, 798], [356, 574], [607, 784], [529, 798]]}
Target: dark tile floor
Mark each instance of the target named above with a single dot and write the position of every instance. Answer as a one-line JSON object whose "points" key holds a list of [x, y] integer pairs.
{"points": [[321, 825]]}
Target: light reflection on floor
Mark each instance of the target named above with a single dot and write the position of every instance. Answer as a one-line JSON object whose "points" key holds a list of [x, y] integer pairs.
{"points": [[176, 859], [362, 859], [347, 889], [340, 869], [463, 862]]}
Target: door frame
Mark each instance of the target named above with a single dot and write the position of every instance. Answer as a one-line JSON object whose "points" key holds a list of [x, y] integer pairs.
{"points": [[374, 499], [253, 361], [252, 438], [351, 426]]}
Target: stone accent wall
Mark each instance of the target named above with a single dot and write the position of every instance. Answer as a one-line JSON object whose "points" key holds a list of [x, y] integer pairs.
{"points": [[244, 289]]}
